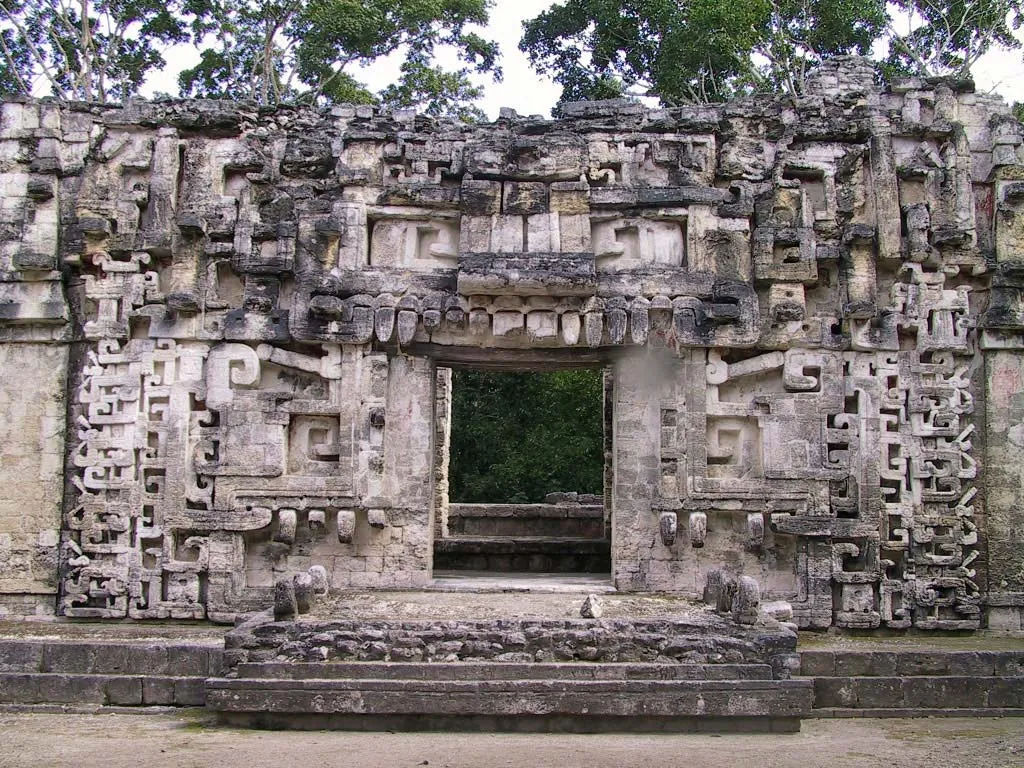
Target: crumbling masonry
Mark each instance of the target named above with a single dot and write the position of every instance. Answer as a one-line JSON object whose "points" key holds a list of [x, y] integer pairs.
{"points": [[222, 328]]}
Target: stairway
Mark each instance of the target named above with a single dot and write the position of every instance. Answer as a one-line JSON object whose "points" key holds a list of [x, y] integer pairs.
{"points": [[523, 554], [686, 674], [524, 538], [915, 683], [85, 674], [574, 697]]}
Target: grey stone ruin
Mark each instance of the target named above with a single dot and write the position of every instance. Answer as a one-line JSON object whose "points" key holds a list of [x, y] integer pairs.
{"points": [[231, 328]]}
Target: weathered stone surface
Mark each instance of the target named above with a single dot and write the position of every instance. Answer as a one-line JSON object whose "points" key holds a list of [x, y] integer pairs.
{"points": [[704, 639], [800, 304], [591, 608]]}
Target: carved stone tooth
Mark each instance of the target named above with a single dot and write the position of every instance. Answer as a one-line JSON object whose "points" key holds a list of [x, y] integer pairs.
{"points": [[747, 601], [698, 525], [384, 323], [667, 524], [479, 322], [317, 519], [755, 530], [377, 518], [616, 320], [431, 318], [407, 320], [639, 320], [321, 584], [287, 522], [571, 328], [346, 525], [593, 328]]}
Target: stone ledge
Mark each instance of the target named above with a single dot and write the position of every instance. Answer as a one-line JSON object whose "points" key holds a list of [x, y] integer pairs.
{"points": [[769, 699], [117, 690], [849, 712], [505, 724], [466, 670]]}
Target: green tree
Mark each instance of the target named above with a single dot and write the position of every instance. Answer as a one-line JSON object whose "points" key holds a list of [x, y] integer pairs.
{"points": [[518, 436], [91, 50], [305, 50], [947, 37], [694, 51]]}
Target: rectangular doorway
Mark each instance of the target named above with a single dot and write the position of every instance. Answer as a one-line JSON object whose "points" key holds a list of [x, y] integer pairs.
{"points": [[522, 463]]}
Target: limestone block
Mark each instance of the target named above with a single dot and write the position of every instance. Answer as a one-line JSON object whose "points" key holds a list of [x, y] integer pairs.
{"points": [[591, 608], [747, 602], [285, 604], [321, 584]]}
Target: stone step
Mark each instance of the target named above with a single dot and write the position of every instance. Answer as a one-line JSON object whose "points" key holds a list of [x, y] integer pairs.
{"points": [[567, 520], [138, 690], [900, 663], [919, 693], [553, 704], [535, 554], [97, 657], [470, 671]]}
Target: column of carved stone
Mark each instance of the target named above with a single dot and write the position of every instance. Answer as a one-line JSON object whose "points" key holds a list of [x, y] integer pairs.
{"points": [[1001, 339], [38, 151], [442, 449], [644, 385], [407, 487]]}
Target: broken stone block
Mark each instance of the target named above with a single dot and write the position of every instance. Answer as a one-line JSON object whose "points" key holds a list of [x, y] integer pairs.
{"points": [[780, 610], [316, 519], [321, 584], [591, 608], [285, 604], [305, 597], [747, 600]]}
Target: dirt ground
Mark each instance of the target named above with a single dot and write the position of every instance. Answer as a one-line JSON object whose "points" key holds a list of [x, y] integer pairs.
{"points": [[191, 740]]}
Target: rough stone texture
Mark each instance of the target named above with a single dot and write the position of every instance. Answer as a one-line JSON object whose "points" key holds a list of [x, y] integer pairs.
{"points": [[798, 302], [915, 683], [565, 520], [703, 639], [32, 402]]}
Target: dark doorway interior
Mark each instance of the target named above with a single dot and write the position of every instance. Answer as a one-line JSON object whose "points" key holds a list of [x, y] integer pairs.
{"points": [[526, 474]]}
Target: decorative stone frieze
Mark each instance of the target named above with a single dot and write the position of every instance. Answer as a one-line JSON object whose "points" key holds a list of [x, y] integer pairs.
{"points": [[795, 300]]}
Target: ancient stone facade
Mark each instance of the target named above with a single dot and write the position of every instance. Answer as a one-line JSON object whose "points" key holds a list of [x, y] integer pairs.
{"points": [[229, 322]]}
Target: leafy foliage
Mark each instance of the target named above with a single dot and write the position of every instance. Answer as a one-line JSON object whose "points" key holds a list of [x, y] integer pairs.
{"points": [[704, 50], [304, 50], [518, 436], [89, 50], [268, 51], [946, 37]]}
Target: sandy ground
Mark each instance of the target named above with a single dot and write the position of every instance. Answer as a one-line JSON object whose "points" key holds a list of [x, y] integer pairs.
{"points": [[191, 740]]}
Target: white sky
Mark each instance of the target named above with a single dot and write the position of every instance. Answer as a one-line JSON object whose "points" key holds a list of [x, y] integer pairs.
{"points": [[530, 93]]}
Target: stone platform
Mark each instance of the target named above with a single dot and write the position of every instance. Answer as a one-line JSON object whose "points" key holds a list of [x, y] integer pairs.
{"points": [[650, 664], [577, 697], [506, 653]]}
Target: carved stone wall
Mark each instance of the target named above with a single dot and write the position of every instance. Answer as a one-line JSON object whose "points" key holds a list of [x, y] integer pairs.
{"points": [[799, 302]]}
